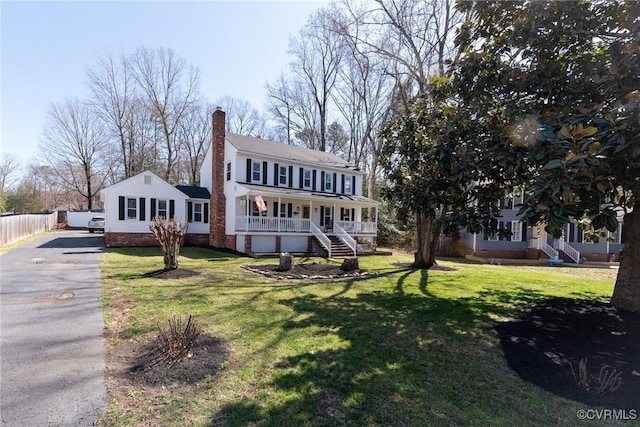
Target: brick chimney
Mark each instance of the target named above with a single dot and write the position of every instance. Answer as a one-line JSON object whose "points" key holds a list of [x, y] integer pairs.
{"points": [[217, 235]]}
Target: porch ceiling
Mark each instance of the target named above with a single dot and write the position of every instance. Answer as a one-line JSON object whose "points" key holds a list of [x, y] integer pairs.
{"points": [[264, 191]]}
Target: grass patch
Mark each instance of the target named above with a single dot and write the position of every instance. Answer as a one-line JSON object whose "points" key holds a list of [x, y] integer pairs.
{"points": [[404, 347]]}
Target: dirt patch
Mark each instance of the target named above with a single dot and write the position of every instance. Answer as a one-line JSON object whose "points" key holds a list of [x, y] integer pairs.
{"points": [[314, 270], [178, 273], [145, 364], [546, 347]]}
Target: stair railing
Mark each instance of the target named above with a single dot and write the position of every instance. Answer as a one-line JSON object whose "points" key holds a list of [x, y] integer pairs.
{"points": [[571, 252], [322, 238], [345, 237]]}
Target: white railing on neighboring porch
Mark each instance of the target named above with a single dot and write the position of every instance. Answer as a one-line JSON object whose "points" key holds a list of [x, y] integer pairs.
{"points": [[322, 238], [544, 247], [358, 227], [344, 237], [571, 252], [272, 224]]}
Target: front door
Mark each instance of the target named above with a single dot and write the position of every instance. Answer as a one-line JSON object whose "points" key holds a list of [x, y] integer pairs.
{"points": [[306, 211], [326, 219]]}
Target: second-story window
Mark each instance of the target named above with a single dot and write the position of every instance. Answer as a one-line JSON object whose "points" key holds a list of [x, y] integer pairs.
{"points": [[282, 175], [256, 171], [229, 171], [347, 185], [306, 179], [328, 182]]}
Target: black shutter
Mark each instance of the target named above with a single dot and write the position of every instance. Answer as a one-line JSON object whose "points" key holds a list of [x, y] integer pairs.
{"points": [[153, 209], [206, 213], [341, 214], [121, 208], [353, 214], [276, 175], [264, 173], [322, 181], [321, 216], [142, 208], [524, 232], [275, 209], [335, 182], [501, 228], [290, 177], [189, 211], [248, 170], [301, 182], [314, 179], [353, 185], [172, 208], [289, 210], [342, 183]]}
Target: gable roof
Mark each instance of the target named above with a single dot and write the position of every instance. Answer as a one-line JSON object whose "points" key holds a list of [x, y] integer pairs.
{"points": [[194, 192], [156, 183], [250, 145]]}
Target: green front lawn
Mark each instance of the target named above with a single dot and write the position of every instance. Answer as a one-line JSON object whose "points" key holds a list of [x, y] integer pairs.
{"points": [[405, 347]]}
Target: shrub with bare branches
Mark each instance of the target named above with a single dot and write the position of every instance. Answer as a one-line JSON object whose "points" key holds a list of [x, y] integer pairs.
{"points": [[170, 234], [176, 342]]}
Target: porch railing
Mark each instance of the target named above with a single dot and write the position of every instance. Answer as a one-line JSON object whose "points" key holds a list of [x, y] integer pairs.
{"points": [[322, 238], [358, 227], [345, 238], [272, 224]]}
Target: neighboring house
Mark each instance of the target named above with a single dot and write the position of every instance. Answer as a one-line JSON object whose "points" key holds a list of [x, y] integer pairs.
{"points": [[256, 197], [530, 242]]}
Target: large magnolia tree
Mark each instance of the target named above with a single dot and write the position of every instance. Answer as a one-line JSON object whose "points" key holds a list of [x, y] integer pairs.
{"points": [[548, 95]]}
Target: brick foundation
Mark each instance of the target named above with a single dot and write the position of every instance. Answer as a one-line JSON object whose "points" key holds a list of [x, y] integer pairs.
{"points": [[117, 240], [509, 254]]}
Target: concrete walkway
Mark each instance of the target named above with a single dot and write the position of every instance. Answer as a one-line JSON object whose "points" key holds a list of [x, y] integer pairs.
{"points": [[52, 354]]}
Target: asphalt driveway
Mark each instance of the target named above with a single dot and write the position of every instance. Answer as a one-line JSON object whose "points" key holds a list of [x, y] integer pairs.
{"points": [[52, 363]]}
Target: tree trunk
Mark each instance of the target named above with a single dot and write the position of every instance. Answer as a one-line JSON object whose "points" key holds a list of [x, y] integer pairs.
{"points": [[626, 294], [428, 232]]}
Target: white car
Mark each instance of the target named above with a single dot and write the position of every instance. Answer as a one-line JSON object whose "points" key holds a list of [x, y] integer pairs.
{"points": [[96, 224]]}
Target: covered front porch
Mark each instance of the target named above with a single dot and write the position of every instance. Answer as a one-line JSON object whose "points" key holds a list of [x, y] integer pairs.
{"points": [[270, 210]]}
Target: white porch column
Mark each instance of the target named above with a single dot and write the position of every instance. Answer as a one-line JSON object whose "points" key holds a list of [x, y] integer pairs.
{"points": [[279, 213]]}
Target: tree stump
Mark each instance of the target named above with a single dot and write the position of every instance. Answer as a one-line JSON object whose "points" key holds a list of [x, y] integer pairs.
{"points": [[286, 262], [350, 264]]}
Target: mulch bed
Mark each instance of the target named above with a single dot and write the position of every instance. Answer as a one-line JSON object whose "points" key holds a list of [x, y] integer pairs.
{"points": [[144, 364], [314, 270], [556, 335]]}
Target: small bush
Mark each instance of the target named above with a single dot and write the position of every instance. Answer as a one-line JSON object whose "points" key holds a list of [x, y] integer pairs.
{"points": [[176, 342]]}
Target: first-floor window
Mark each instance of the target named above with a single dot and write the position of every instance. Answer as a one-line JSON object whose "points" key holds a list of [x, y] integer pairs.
{"points": [[162, 209], [197, 212], [132, 208]]}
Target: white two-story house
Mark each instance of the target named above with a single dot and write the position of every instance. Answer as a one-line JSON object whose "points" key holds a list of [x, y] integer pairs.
{"points": [[256, 197]]}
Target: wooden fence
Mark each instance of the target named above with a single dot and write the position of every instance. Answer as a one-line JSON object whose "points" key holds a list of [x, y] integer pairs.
{"points": [[16, 227]]}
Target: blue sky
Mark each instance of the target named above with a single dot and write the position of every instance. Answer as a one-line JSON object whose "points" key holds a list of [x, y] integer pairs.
{"points": [[47, 47]]}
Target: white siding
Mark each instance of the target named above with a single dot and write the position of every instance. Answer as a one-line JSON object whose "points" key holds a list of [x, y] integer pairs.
{"points": [[293, 244]]}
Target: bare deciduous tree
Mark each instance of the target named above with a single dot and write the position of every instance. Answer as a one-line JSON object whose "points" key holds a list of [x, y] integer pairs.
{"points": [[195, 138], [73, 145], [170, 87], [316, 53], [241, 117]]}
